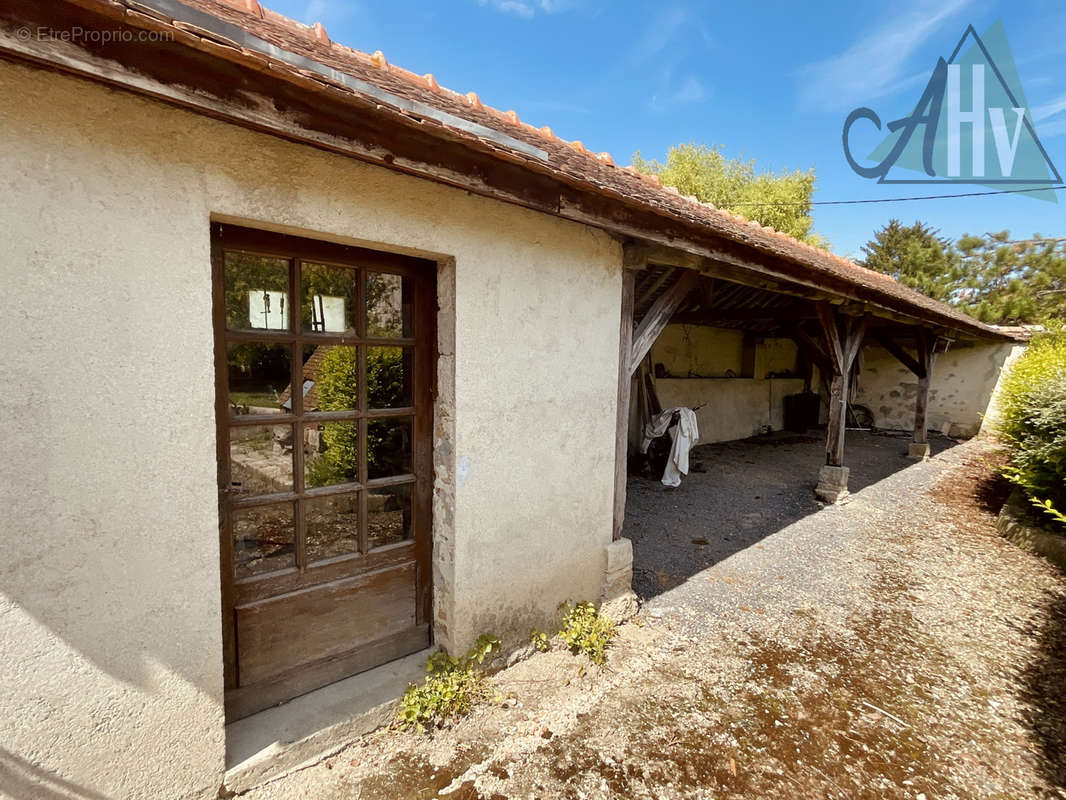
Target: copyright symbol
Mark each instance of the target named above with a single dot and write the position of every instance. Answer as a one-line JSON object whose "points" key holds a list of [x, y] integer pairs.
{"points": [[23, 34]]}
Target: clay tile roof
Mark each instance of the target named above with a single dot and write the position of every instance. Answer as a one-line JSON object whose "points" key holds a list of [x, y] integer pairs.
{"points": [[570, 161]]}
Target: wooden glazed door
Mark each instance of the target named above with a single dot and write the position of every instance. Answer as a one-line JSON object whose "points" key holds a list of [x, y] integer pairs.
{"points": [[324, 363]]}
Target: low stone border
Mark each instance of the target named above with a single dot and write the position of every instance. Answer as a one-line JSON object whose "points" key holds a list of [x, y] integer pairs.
{"points": [[1015, 524]]}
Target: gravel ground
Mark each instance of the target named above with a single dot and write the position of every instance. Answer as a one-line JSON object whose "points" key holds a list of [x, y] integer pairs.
{"points": [[893, 646]]}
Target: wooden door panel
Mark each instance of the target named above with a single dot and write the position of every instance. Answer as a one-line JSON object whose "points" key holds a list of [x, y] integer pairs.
{"points": [[279, 634], [248, 592], [325, 360]]}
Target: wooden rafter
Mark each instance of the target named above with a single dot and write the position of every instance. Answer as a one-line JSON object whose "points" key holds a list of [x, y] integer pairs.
{"points": [[658, 316], [905, 358]]}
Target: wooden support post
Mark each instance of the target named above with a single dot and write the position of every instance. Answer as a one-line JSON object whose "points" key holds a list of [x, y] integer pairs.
{"points": [[659, 315], [834, 435], [922, 367], [919, 448], [625, 381], [844, 337]]}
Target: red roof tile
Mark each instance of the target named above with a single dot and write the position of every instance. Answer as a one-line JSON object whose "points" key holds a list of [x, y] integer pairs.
{"points": [[570, 160]]}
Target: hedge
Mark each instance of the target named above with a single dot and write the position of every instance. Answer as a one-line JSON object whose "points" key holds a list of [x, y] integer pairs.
{"points": [[1033, 423]]}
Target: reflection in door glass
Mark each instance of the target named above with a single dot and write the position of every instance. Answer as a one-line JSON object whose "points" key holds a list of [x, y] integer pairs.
{"points": [[258, 377], [331, 453], [388, 376], [264, 539], [328, 298], [388, 306], [388, 447], [260, 459], [332, 526], [257, 293], [331, 378], [388, 515]]}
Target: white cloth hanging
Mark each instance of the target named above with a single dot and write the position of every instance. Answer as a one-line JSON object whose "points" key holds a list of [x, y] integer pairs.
{"points": [[684, 435]]}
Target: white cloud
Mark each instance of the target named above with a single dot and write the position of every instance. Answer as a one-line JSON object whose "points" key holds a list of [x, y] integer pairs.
{"points": [[874, 66], [689, 89], [527, 9], [326, 11], [1056, 106], [1050, 130]]}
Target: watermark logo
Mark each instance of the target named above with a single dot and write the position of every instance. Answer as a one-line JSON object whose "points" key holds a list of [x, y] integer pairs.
{"points": [[972, 125]]}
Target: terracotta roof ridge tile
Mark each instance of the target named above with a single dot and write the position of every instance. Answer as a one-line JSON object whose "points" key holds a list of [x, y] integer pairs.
{"points": [[648, 190], [316, 32]]}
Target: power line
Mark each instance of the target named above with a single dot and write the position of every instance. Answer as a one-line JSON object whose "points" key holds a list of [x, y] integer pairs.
{"points": [[900, 199]]}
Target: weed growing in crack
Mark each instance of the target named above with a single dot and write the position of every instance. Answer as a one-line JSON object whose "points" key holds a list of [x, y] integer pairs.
{"points": [[585, 631], [539, 641], [451, 688]]}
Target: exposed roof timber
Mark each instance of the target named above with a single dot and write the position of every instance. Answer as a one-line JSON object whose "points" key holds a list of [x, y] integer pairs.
{"points": [[212, 24], [736, 270], [780, 313], [214, 75]]}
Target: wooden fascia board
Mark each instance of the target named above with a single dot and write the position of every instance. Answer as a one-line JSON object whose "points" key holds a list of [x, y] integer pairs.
{"points": [[574, 199]]}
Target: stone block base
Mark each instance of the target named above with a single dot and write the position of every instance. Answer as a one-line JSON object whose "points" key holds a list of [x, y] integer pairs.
{"points": [[1016, 523], [919, 452], [832, 484], [616, 594]]}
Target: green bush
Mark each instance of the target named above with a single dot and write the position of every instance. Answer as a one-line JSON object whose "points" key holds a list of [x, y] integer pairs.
{"points": [[585, 631], [1033, 423], [452, 687]]}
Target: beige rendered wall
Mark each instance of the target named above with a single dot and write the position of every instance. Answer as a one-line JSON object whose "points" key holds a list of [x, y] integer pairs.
{"points": [[705, 366], [111, 666], [964, 380]]}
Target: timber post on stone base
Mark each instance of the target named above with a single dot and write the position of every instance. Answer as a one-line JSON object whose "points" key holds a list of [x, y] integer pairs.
{"points": [[634, 343], [922, 367], [843, 335], [625, 384]]}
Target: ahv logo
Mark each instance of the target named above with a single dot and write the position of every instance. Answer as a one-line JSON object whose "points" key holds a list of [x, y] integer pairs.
{"points": [[971, 125]]}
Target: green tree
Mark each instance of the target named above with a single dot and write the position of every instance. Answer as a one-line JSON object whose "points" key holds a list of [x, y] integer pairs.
{"points": [[1010, 282], [779, 200], [916, 256]]}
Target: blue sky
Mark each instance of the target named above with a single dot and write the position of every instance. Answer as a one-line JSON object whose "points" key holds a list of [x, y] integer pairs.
{"points": [[773, 84]]}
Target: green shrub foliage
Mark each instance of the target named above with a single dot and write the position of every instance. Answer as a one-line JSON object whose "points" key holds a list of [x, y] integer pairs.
{"points": [[1034, 424], [585, 631], [452, 687]]}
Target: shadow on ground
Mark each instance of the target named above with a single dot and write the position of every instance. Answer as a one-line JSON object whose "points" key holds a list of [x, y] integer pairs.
{"points": [[738, 493], [1045, 691]]}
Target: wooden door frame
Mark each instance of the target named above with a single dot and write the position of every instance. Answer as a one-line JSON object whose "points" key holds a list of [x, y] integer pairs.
{"points": [[227, 237]]}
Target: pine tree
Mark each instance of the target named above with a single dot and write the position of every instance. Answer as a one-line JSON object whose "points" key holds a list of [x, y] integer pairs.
{"points": [[918, 257]]}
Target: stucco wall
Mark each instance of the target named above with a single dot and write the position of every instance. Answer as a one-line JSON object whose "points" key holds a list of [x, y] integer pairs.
{"points": [[111, 668], [732, 408], [963, 382], [698, 360]]}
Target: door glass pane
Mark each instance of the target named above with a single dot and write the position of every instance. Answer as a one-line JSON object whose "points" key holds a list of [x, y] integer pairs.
{"points": [[332, 526], [388, 376], [257, 293], [331, 453], [388, 515], [264, 539], [331, 378], [388, 306], [328, 299], [258, 376], [388, 447], [260, 459]]}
